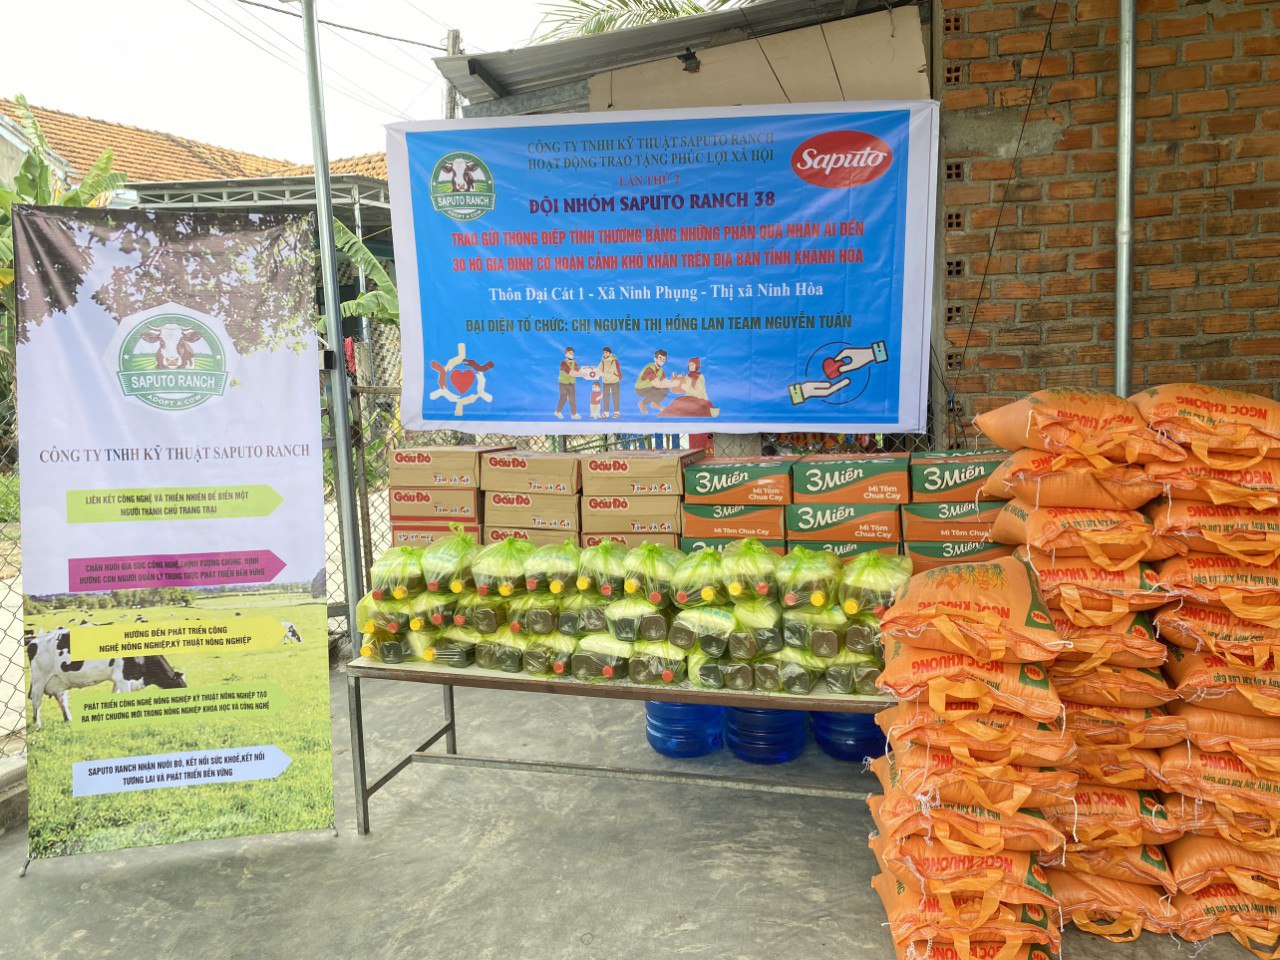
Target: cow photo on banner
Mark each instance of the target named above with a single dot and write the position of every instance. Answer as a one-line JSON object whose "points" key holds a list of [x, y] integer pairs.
{"points": [[732, 270], [172, 511]]}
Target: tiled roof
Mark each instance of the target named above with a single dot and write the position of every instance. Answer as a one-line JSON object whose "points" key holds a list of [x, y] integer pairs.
{"points": [[142, 155], [366, 165]]}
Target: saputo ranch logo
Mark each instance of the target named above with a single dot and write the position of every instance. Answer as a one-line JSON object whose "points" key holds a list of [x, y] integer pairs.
{"points": [[462, 186], [172, 361], [841, 158]]}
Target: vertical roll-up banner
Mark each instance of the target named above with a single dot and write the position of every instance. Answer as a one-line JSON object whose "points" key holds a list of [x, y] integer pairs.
{"points": [[172, 527]]}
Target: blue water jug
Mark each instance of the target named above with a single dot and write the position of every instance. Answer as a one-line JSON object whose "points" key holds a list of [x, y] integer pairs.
{"points": [[683, 730], [765, 736], [848, 736]]}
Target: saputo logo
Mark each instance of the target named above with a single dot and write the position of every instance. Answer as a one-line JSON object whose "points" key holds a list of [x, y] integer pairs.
{"points": [[841, 158], [508, 463], [171, 357], [603, 465], [716, 482], [608, 503], [511, 500], [462, 186]]}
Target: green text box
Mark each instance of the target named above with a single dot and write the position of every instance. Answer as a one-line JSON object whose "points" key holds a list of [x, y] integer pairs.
{"points": [[171, 503]]}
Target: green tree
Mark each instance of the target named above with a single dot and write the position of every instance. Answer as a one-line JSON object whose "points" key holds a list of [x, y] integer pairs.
{"points": [[563, 19], [381, 304]]}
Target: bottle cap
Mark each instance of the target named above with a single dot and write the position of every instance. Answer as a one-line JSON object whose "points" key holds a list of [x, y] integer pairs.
{"points": [[366, 651], [437, 618], [432, 585], [606, 671], [417, 623], [668, 675], [790, 599], [531, 583], [506, 590], [655, 597], [455, 586], [708, 593], [631, 586], [762, 588], [400, 592], [515, 626], [370, 626], [378, 594], [606, 589], [681, 596], [818, 598], [393, 626], [459, 619], [584, 583], [482, 590], [735, 589], [558, 667], [557, 586], [429, 654], [851, 607]]}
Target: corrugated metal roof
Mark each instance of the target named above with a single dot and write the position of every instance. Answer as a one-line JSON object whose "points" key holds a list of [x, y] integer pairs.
{"points": [[551, 64]]}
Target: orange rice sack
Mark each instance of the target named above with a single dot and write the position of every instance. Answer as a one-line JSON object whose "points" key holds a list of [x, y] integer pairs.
{"points": [[1224, 908], [933, 775], [1254, 740], [1133, 769], [1066, 480], [1203, 818], [1005, 877], [923, 950], [1224, 780], [1208, 679], [1222, 427], [1249, 591], [1145, 864], [1109, 686], [992, 611], [1198, 626], [1091, 595], [943, 678], [1114, 817], [964, 828], [1199, 861], [1113, 539], [915, 915], [1249, 535], [1129, 642], [1114, 909], [1000, 736], [1256, 487], [1092, 423], [1149, 728]]}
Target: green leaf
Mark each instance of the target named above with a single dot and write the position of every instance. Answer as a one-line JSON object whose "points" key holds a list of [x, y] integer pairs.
{"points": [[382, 304], [99, 182]]}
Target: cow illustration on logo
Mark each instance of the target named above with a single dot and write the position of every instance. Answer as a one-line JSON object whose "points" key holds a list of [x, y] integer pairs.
{"points": [[171, 357], [462, 186], [461, 381]]}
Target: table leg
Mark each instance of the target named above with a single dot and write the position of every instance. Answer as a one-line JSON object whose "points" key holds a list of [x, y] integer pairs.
{"points": [[450, 738], [357, 753]]}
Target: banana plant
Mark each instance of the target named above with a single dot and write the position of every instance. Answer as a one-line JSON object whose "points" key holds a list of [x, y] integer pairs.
{"points": [[382, 304]]}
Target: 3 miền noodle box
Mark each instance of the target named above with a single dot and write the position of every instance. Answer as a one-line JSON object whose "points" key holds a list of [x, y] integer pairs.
{"points": [[844, 549], [522, 471], [968, 520], [739, 480], [690, 544], [925, 555], [724, 521], [634, 513], [850, 478], [637, 472], [433, 503], [437, 466], [532, 511], [949, 475], [843, 521]]}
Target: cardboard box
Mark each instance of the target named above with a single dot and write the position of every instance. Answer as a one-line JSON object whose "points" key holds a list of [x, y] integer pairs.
{"points": [[521, 471], [636, 471], [437, 466], [532, 511], [425, 534], [536, 537], [943, 475], [723, 521], [689, 544], [628, 540], [737, 480], [851, 478], [928, 555], [844, 549], [971, 520], [843, 522], [433, 503], [630, 514]]}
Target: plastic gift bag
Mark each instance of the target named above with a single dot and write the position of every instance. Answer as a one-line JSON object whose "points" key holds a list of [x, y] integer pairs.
{"points": [[808, 577], [533, 614], [851, 672], [697, 582], [600, 570], [397, 574], [431, 609], [790, 670], [601, 657], [382, 616], [740, 674], [648, 570], [749, 569], [552, 568], [706, 628], [456, 647], [372, 641], [656, 661], [820, 630], [502, 650], [446, 564], [706, 671], [420, 644], [635, 618], [498, 569], [758, 629], [549, 654], [581, 614], [484, 615], [870, 581]]}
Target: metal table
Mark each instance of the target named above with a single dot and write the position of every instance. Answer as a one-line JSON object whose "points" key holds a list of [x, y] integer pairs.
{"points": [[448, 678]]}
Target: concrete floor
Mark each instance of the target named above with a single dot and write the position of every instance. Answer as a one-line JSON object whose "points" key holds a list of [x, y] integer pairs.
{"points": [[475, 864]]}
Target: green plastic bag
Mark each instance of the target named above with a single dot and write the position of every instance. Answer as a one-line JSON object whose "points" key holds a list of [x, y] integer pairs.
{"points": [[549, 655], [498, 569], [484, 615], [635, 618], [656, 661], [870, 581], [854, 673], [581, 614], [446, 564], [821, 631], [739, 674], [533, 614], [863, 635], [697, 580], [456, 647], [397, 574], [706, 672], [386, 616], [600, 657], [648, 570], [419, 644], [758, 630], [707, 628], [552, 568], [503, 650], [600, 570], [372, 641], [789, 670], [430, 610], [750, 570], [808, 577]]}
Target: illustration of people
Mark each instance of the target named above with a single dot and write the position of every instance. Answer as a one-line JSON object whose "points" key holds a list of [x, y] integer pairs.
{"points": [[693, 400], [611, 377], [568, 380], [652, 386], [597, 392]]}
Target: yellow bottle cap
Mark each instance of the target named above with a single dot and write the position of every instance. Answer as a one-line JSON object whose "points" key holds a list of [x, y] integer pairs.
{"points": [[557, 586], [417, 623], [583, 583], [370, 626], [505, 590], [708, 593], [455, 586], [631, 586], [400, 592], [366, 651], [818, 599], [851, 607], [735, 589], [428, 654]]}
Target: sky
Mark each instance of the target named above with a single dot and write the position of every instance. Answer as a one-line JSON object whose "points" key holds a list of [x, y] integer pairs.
{"points": [[229, 73]]}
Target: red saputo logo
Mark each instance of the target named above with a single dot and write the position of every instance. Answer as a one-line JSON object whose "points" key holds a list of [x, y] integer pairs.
{"points": [[608, 466], [511, 500], [608, 503], [841, 158], [509, 463]]}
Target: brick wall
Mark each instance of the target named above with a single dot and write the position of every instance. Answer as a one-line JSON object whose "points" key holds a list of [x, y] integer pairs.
{"points": [[1206, 209]]}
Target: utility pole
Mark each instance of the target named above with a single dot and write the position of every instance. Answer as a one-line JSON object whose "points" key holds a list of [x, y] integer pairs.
{"points": [[453, 47]]}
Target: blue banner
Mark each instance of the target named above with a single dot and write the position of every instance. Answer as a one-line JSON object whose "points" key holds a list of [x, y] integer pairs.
{"points": [[736, 270]]}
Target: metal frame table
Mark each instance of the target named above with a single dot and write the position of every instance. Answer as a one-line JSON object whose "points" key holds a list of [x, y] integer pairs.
{"points": [[449, 677]]}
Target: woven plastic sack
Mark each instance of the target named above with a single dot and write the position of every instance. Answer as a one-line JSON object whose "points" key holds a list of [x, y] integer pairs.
{"points": [[1129, 642], [749, 569], [648, 570], [1209, 680], [1198, 862], [1005, 877], [1067, 480], [600, 570], [1226, 781], [1113, 539], [1091, 423], [923, 950], [1145, 864], [1222, 427], [934, 775], [1249, 535], [552, 568], [1149, 728], [698, 581], [446, 564], [870, 582], [1091, 595], [1250, 592], [1131, 768], [992, 611], [1203, 818], [1254, 741], [964, 828], [1224, 908], [1000, 736], [1200, 627], [807, 577], [1109, 686], [397, 574], [1114, 909], [1256, 487], [1114, 817]]}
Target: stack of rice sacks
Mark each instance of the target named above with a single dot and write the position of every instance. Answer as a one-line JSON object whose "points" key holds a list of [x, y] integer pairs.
{"points": [[1079, 479], [979, 755], [1220, 513]]}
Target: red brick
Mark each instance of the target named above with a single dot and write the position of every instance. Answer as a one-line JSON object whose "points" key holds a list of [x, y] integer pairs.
{"points": [[966, 243], [1170, 372], [1264, 96], [1078, 89], [1212, 251], [991, 72], [1018, 240], [1261, 247], [1095, 260], [1184, 128], [1229, 226], [964, 99], [1257, 346], [1253, 299], [1181, 26], [1070, 333], [1271, 170], [984, 21], [1019, 337], [1234, 22], [1103, 210], [1043, 311], [1173, 229], [1268, 146], [1261, 46], [1202, 101], [1268, 120], [1202, 202], [1256, 199], [1183, 78], [1225, 273], [1070, 236], [1002, 265], [1226, 323], [1046, 213], [1152, 56], [1077, 138], [1156, 6], [1100, 111], [1237, 72], [1205, 151], [1152, 206], [981, 219], [1050, 65], [1017, 43], [1067, 37], [1095, 61], [968, 338], [1049, 165], [999, 361], [1041, 14], [1201, 300], [991, 170], [1042, 262], [1224, 370], [1160, 156], [1173, 327], [1220, 49], [1179, 180], [989, 312], [960, 4], [962, 48], [1110, 83], [1231, 123], [1170, 279], [1018, 290], [1231, 174], [1151, 107], [964, 194], [1096, 10], [1204, 350], [1013, 97], [1017, 192], [1072, 189], [1085, 161]]}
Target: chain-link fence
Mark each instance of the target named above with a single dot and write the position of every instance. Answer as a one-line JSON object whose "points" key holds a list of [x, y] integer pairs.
{"points": [[13, 688]]}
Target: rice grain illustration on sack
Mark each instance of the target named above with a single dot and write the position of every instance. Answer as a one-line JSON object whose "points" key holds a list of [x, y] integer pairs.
{"points": [[832, 371]]}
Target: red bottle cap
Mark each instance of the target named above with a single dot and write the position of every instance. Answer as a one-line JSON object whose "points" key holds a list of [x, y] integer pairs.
{"points": [[655, 597], [531, 583], [682, 596], [459, 619], [667, 676], [606, 589], [606, 671], [482, 590], [393, 626], [378, 594], [790, 599], [437, 618], [433, 585], [558, 667], [762, 588], [515, 626]]}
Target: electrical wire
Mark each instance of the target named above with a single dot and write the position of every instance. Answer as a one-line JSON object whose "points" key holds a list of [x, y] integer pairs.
{"points": [[343, 26], [438, 22]]}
